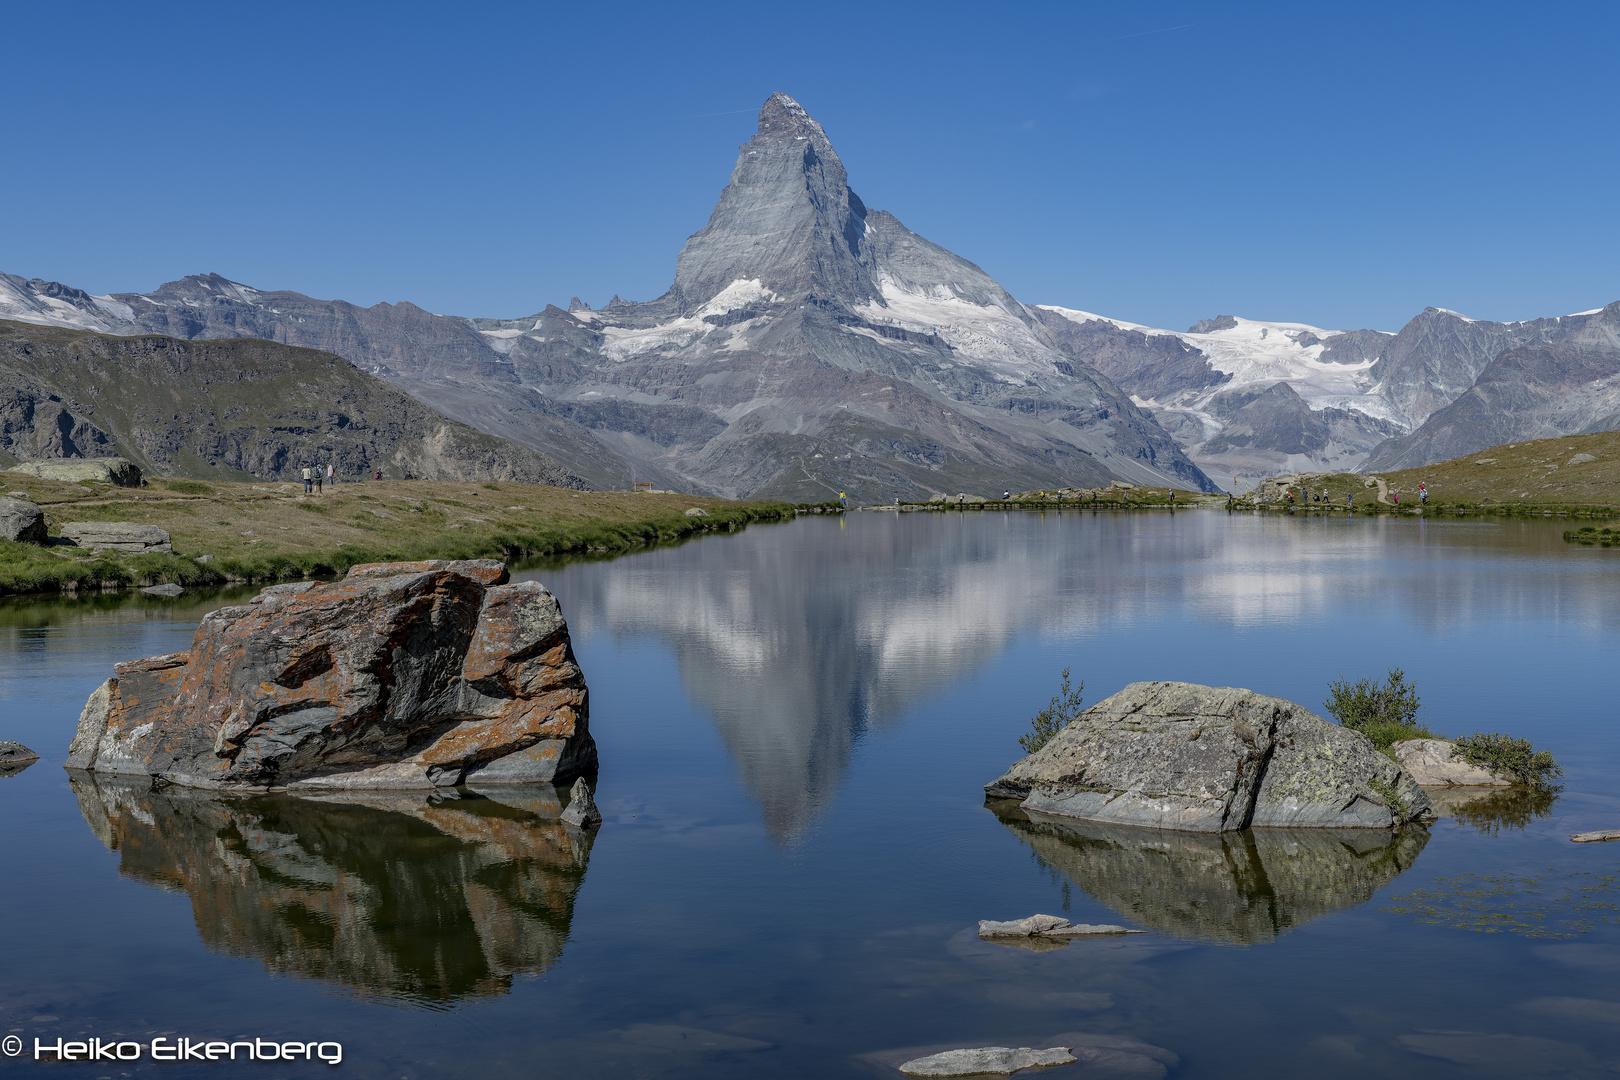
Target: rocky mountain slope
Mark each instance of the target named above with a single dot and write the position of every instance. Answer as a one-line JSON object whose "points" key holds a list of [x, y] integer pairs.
{"points": [[230, 409], [1566, 383], [807, 346]]}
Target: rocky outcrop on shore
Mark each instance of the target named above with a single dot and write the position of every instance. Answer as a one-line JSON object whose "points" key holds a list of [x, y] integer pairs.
{"points": [[73, 470], [401, 675], [1172, 755], [21, 521], [118, 536]]}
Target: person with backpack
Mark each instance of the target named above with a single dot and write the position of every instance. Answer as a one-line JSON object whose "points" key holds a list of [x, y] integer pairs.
{"points": [[309, 479]]}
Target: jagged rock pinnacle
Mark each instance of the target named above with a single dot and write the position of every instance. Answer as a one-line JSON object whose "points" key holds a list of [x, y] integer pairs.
{"points": [[787, 220], [781, 115]]}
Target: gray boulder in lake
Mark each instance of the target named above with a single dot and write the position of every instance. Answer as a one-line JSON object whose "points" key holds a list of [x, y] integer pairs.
{"points": [[1172, 755], [15, 757], [21, 520]]}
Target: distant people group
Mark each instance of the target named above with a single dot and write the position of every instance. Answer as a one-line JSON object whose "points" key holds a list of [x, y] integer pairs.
{"points": [[315, 476]]}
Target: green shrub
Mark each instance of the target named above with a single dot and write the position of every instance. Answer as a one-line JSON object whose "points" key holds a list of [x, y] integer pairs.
{"points": [[1386, 714], [1055, 717], [188, 487], [1511, 757]]}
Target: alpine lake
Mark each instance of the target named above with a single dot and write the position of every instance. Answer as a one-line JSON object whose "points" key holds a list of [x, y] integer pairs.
{"points": [[795, 723]]}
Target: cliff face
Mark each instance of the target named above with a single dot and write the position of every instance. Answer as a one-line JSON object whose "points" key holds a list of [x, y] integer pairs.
{"points": [[231, 409]]}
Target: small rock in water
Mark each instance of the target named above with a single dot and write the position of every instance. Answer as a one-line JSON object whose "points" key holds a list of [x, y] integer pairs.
{"points": [[994, 1060], [1048, 926], [1590, 837], [15, 757], [582, 809], [163, 590]]}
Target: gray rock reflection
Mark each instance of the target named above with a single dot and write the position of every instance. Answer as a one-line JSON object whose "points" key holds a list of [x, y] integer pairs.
{"points": [[402, 895], [1243, 887]]}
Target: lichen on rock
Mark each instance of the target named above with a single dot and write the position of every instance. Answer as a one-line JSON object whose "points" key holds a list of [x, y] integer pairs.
{"points": [[1175, 755], [402, 675]]}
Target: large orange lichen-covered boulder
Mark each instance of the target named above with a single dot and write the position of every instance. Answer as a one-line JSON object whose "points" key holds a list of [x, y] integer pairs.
{"points": [[401, 675]]}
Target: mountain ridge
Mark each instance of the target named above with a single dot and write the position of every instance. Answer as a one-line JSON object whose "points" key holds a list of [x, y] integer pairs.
{"points": [[809, 344]]}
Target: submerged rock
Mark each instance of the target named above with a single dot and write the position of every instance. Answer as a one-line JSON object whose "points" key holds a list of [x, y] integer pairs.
{"points": [[401, 675], [1047, 926], [1602, 836], [1171, 755], [170, 589], [15, 757], [991, 1060], [21, 521], [1433, 763]]}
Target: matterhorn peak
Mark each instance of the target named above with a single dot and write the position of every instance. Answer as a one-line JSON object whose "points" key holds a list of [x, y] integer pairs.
{"points": [[787, 220], [782, 116]]}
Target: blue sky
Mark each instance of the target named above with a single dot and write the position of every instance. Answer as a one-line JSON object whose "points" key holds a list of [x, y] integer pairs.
{"points": [[1338, 164]]}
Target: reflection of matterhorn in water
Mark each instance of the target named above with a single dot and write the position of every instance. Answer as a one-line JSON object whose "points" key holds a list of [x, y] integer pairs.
{"points": [[408, 895], [1240, 887], [797, 639]]}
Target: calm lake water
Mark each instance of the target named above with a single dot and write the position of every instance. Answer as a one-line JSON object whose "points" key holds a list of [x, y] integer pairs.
{"points": [[795, 723]]}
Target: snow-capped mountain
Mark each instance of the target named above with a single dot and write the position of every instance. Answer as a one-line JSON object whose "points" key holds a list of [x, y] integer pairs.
{"points": [[810, 345], [1260, 398]]}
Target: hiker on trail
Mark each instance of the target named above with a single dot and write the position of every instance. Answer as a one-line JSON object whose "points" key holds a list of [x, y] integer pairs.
{"points": [[841, 501], [1395, 496], [376, 474], [329, 479], [319, 478], [1290, 496], [308, 479], [1350, 502], [1423, 494]]}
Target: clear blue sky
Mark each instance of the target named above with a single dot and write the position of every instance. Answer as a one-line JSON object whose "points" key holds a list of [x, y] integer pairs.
{"points": [[1338, 164]]}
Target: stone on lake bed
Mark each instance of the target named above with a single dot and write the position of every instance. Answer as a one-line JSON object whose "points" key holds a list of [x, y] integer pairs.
{"points": [[986, 1060], [1047, 926], [400, 676], [170, 589], [1170, 755], [1599, 837]]}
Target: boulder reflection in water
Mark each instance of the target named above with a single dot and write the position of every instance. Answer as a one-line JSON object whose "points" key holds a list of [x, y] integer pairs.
{"points": [[1237, 887], [411, 896]]}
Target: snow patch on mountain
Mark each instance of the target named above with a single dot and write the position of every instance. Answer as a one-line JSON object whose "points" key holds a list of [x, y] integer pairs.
{"points": [[994, 337], [738, 294]]}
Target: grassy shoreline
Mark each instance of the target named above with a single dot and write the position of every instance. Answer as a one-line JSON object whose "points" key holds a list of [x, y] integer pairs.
{"points": [[226, 532]]}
